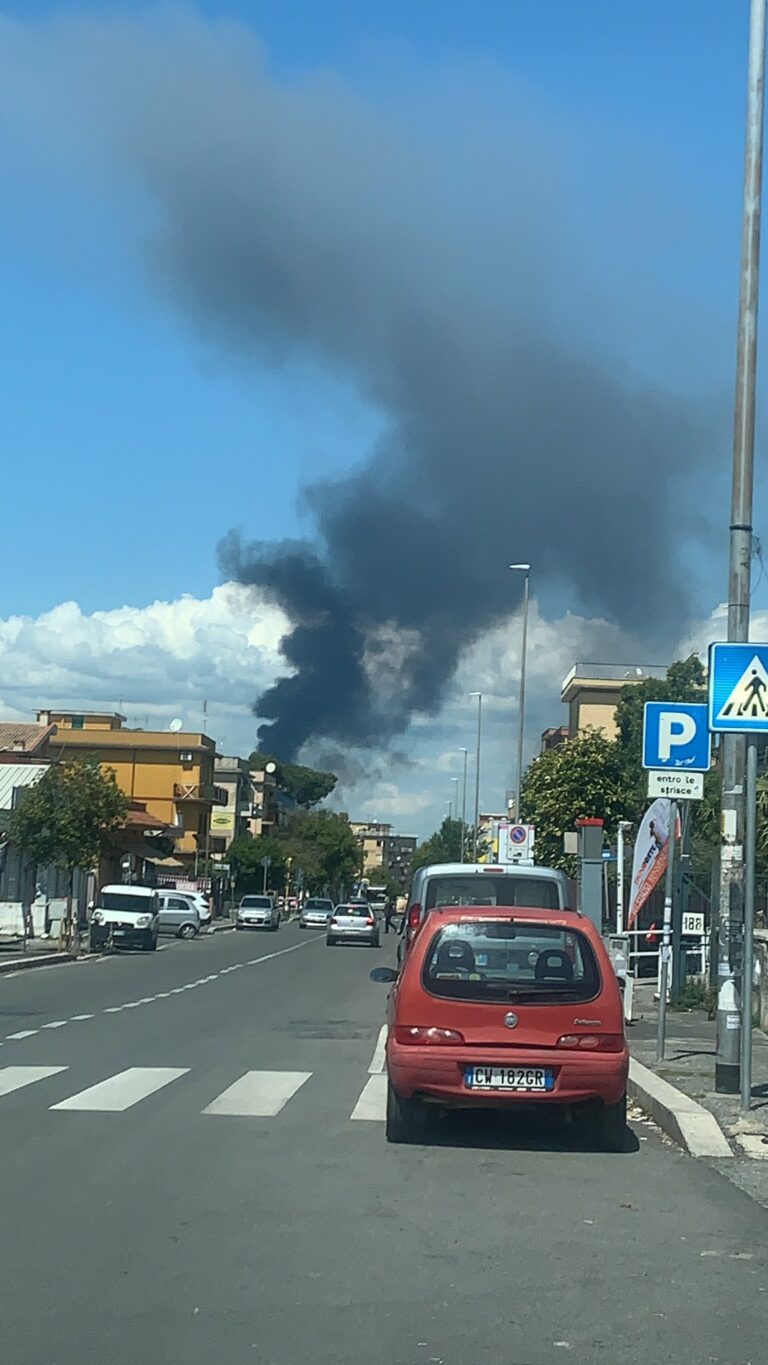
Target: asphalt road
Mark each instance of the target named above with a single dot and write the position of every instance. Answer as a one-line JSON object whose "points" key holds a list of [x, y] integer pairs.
{"points": [[275, 1228]]}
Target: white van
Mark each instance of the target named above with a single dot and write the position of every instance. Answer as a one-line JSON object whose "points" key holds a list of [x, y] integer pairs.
{"points": [[505, 884], [127, 916]]}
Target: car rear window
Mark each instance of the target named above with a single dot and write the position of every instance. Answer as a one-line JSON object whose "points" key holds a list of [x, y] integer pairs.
{"points": [[482, 888], [356, 911], [510, 959], [317, 905]]}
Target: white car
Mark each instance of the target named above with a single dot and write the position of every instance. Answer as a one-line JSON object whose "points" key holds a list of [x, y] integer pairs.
{"points": [[126, 917], [202, 905], [315, 913], [257, 912]]}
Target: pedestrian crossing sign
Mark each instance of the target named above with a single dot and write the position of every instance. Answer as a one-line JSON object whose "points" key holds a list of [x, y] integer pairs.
{"points": [[738, 688]]}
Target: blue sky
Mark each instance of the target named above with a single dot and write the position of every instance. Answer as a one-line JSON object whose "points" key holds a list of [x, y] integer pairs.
{"points": [[112, 402], [132, 441]]}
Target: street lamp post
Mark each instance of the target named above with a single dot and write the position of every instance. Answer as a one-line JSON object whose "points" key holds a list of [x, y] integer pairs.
{"points": [[526, 570], [733, 754], [465, 752], [479, 696], [455, 781]]}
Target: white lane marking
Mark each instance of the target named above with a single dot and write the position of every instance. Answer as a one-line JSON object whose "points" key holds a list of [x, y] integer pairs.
{"points": [[25, 1033], [114, 1009], [56, 1023], [14, 1077], [372, 1104], [377, 1060], [259, 1094], [123, 1090], [74, 1018]]}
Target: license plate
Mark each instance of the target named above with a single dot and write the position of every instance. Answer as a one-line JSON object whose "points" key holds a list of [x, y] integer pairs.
{"points": [[509, 1078]]}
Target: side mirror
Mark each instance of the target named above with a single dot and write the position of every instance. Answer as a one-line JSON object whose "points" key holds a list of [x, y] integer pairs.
{"points": [[384, 974]]}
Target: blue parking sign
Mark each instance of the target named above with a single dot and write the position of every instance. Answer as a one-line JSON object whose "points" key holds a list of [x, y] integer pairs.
{"points": [[738, 688], [676, 735]]}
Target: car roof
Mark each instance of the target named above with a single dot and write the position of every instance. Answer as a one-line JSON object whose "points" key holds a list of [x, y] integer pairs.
{"points": [[566, 919], [130, 890], [504, 869]]}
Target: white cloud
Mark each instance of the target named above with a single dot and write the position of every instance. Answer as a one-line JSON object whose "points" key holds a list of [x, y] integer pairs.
{"points": [[166, 659], [152, 662]]}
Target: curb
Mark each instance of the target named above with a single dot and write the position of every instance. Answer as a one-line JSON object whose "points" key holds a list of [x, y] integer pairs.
{"points": [[218, 927], [22, 964], [689, 1124]]}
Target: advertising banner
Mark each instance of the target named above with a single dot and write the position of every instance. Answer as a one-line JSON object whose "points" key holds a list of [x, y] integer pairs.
{"points": [[650, 860]]}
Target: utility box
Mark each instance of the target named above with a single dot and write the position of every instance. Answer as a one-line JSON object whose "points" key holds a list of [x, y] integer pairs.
{"points": [[590, 871]]}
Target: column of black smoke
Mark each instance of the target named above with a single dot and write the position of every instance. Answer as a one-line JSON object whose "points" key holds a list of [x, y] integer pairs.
{"points": [[422, 268]]}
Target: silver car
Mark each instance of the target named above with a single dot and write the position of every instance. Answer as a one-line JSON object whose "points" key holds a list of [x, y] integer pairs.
{"points": [[315, 913], [353, 924], [257, 912], [178, 914]]}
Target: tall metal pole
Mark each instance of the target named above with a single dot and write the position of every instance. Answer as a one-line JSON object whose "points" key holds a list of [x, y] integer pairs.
{"points": [[465, 752], [456, 780], [623, 825], [666, 942], [479, 696], [731, 918], [750, 850], [526, 569]]}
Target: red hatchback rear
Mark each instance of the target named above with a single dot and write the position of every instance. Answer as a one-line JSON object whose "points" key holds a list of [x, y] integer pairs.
{"points": [[496, 1008]]}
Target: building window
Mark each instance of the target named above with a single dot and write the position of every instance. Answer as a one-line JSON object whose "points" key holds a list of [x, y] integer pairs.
{"points": [[78, 722]]}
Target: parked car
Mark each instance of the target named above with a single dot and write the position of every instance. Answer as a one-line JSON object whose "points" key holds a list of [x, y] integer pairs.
{"points": [[178, 914], [443, 884], [126, 916], [257, 912], [352, 924], [494, 1009], [315, 913], [203, 904]]}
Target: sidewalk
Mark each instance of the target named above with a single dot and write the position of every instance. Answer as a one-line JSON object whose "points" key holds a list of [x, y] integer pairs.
{"points": [[39, 952], [689, 1066]]}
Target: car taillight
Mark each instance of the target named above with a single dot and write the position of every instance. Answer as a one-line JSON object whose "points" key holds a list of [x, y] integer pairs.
{"points": [[414, 917], [370, 920], [333, 920], [593, 1042], [428, 1037]]}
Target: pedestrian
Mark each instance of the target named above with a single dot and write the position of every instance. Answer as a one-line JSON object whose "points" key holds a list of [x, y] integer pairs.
{"points": [[389, 911]]}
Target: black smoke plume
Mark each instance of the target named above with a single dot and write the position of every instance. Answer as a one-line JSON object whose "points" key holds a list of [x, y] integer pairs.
{"points": [[420, 256]]}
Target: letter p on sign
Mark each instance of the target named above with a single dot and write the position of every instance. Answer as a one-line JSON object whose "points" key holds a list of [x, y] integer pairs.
{"points": [[676, 729]]}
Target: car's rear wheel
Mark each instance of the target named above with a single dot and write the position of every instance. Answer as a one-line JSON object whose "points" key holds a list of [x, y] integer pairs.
{"points": [[611, 1126], [406, 1119], [187, 930], [375, 943], [330, 943]]}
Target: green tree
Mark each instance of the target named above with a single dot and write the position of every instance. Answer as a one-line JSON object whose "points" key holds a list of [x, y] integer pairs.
{"points": [[444, 846], [322, 844], [245, 855], [307, 786], [585, 777], [69, 819]]}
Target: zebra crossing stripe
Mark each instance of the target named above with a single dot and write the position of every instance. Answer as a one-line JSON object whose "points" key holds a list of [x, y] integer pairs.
{"points": [[259, 1094], [372, 1104], [16, 1077], [123, 1090]]}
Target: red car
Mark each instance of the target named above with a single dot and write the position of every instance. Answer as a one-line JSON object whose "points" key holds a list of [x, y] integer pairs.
{"points": [[497, 1007]]}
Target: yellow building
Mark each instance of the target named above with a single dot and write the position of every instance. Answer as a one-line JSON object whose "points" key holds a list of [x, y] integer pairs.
{"points": [[372, 836], [172, 774], [591, 692]]}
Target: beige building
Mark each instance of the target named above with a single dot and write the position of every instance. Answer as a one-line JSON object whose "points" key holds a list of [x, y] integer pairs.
{"points": [[591, 692], [372, 835]]}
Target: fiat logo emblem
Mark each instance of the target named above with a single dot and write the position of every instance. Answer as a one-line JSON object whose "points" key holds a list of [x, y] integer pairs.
{"points": [[510, 1020]]}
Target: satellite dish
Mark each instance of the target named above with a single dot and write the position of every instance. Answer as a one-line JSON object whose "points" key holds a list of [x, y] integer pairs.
{"points": [[176, 725], [271, 768]]}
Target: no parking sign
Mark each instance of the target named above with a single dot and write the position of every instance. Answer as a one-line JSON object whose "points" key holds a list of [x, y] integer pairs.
{"points": [[515, 843]]}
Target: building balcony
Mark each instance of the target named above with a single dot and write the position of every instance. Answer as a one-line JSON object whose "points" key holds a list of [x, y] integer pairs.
{"points": [[205, 793]]}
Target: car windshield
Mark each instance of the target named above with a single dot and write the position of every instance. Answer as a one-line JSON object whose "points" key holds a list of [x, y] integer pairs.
{"points": [[256, 903], [511, 960], [119, 900], [482, 888]]}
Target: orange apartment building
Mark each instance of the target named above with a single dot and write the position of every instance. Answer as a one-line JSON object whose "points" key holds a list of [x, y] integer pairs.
{"points": [[170, 773]]}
